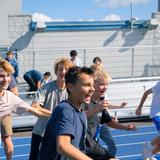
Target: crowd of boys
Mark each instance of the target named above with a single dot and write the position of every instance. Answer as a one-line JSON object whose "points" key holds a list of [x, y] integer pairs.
{"points": [[76, 101]]}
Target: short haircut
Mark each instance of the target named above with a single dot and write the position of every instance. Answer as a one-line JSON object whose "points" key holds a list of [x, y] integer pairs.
{"points": [[9, 53], [101, 75], [73, 53], [65, 61], [96, 59], [47, 74], [6, 66], [97, 67], [73, 74]]}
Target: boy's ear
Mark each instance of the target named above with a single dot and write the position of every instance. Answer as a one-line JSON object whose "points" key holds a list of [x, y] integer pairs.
{"points": [[70, 87]]}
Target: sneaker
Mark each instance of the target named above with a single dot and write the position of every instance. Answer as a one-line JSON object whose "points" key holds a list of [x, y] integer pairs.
{"points": [[146, 153], [151, 158]]}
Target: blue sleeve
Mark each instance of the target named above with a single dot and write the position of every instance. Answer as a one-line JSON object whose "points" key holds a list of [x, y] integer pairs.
{"points": [[156, 88], [66, 123], [16, 70]]}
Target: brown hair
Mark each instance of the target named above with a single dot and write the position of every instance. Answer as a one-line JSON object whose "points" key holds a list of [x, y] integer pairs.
{"points": [[65, 61], [6, 66], [95, 59], [73, 53], [9, 53], [97, 67]]}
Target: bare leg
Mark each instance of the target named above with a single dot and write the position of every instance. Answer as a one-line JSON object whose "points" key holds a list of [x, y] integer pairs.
{"points": [[8, 146], [156, 145]]}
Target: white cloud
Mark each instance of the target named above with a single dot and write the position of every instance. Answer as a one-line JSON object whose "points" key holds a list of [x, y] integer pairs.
{"points": [[112, 17], [119, 3], [58, 20], [81, 20], [39, 17]]}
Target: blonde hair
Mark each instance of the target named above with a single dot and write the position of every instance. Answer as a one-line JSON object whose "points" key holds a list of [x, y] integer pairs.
{"points": [[6, 66], [101, 75], [97, 67], [65, 61]]}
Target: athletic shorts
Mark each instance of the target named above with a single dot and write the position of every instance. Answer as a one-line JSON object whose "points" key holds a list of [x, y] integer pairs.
{"points": [[6, 125]]}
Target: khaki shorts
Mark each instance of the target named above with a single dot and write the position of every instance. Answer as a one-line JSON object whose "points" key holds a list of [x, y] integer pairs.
{"points": [[6, 125]]}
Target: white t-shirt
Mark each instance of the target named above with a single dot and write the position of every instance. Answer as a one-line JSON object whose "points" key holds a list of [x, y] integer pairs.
{"points": [[12, 103], [77, 62], [155, 105]]}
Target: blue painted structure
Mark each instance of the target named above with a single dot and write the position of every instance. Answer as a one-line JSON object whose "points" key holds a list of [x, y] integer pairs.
{"points": [[91, 25]]}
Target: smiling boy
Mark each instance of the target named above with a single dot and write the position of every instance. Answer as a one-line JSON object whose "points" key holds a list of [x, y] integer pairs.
{"points": [[65, 132], [10, 102]]}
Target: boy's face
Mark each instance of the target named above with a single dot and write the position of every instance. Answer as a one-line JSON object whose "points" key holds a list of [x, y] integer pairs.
{"points": [[73, 57], [61, 72], [97, 62], [5, 79], [10, 56], [46, 77], [100, 87], [82, 91]]}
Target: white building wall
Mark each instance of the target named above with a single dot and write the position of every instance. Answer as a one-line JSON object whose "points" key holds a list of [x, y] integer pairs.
{"points": [[7, 7], [40, 50]]}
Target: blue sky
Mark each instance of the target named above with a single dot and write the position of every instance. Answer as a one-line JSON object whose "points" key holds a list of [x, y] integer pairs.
{"points": [[76, 10]]}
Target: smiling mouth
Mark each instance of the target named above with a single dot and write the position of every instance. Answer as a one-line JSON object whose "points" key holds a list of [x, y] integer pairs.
{"points": [[62, 76], [88, 96]]}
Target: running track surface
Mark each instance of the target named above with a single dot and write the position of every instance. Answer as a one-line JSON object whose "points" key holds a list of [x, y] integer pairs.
{"points": [[129, 144]]}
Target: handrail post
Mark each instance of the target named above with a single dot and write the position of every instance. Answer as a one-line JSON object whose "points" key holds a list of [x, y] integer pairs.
{"points": [[116, 116], [132, 63], [84, 57], [34, 59]]}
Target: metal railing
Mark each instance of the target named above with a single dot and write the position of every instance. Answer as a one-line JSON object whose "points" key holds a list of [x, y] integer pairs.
{"points": [[120, 62]]}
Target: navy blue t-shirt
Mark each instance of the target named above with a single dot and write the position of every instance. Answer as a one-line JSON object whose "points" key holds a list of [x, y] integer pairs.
{"points": [[34, 74], [65, 120]]}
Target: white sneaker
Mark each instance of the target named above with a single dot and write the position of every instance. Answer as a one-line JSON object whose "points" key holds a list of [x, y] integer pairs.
{"points": [[146, 153]]}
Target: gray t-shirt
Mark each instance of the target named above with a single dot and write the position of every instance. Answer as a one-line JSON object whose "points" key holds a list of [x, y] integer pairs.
{"points": [[49, 96]]}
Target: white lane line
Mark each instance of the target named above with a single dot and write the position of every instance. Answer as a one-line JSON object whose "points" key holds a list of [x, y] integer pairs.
{"points": [[133, 155], [22, 145], [128, 156], [14, 156], [135, 134], [143, 126], [19, 145], [22, 137], [129, 144], [126, 144]]}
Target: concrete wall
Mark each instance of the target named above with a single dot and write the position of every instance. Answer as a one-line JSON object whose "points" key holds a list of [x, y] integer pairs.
{"points": [[40, 50], [7, 7]]}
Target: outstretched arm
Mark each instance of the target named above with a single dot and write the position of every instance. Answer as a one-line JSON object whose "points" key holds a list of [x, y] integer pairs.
{"points": [[39, 112], [117, 125], [143, 99], [98, 108], [122, 105], [41, 108]]}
